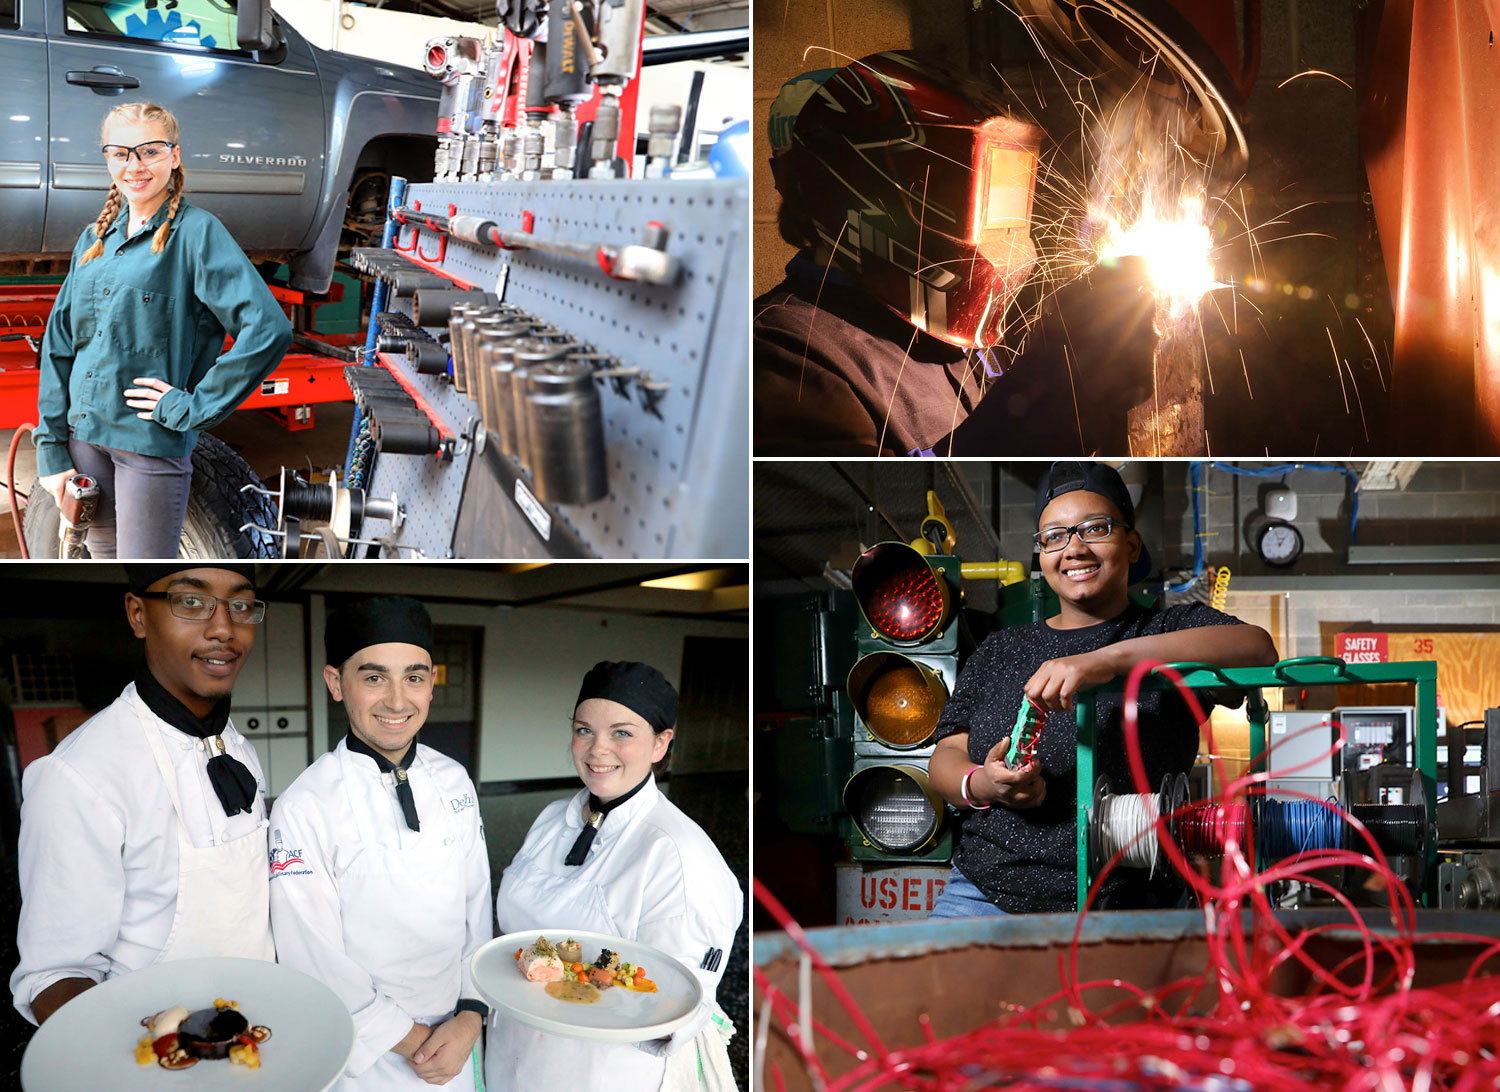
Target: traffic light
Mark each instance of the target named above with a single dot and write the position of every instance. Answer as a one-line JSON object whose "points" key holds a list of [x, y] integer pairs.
{"points": [[907, 667]]}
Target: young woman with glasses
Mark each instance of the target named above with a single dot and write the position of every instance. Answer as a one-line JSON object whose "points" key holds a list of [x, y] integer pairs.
{"points": [[133, 364], [1017, 848]]}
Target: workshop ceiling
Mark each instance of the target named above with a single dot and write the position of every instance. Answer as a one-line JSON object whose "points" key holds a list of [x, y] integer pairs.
{"points": [[657, 589]]}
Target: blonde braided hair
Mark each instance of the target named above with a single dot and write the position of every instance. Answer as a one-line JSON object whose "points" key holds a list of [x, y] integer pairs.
{"points": [[175, 185], [138, 113]]}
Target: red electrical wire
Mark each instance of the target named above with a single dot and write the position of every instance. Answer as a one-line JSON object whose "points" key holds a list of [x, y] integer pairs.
{"points": [[1361, 1023]]}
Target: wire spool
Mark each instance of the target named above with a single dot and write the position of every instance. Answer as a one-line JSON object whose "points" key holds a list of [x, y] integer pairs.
{"points": [[306, 500], [1398, 829], [1205, 829], [565, 429], [1291, 828], [1125, 822], [1401, 830]]}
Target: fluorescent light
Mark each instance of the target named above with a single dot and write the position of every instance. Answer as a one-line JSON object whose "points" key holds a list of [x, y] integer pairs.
{"points": [[702, 580]]}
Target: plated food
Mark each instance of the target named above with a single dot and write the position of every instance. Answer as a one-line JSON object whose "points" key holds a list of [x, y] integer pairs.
{"points": [[176, 1038], [569, 979], [88, 1043], [623, 1012]]}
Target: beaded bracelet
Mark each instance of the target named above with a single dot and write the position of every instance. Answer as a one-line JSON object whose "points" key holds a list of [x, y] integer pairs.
{"points": [[963, 790]]}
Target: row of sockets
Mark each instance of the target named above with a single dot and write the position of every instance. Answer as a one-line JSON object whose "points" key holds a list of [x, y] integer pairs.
{"points": [[535, 385], [398, 425], [538, 400]]}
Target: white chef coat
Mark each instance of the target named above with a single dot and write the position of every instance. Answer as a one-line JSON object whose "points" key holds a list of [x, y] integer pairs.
{"points": [[651, 876], [386, 916], [99, 853]]}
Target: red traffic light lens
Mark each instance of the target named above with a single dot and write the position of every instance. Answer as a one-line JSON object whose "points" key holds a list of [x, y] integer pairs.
{"points": [[905, 605], [903, 597]]}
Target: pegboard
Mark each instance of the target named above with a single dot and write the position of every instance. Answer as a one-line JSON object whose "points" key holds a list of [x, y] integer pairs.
{"points": [[677, 482]]}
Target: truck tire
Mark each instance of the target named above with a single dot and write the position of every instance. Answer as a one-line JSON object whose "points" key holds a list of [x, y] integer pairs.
{"points": [[215, 513]]}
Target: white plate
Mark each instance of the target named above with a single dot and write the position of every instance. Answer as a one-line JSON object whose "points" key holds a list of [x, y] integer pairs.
{"points": [[621, 1016], [90, 1041]]}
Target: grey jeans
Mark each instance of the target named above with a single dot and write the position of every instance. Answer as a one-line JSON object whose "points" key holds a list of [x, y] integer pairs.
{"points": [[142, 500]]}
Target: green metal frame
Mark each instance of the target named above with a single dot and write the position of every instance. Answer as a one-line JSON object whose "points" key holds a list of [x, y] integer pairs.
{"points": [[1301, 671]]}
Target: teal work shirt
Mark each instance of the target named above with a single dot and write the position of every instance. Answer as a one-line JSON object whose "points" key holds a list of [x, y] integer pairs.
{"points": [[132, 313]]}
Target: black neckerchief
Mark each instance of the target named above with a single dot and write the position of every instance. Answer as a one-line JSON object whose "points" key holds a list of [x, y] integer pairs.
{"points": [[385, 765], [233, 782], [598, 809]]}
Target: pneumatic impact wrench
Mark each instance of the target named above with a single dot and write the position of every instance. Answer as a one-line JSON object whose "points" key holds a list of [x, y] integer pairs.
{"points": [[79, 505]]}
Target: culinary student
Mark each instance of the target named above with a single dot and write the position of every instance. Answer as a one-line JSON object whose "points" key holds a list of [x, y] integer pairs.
{"points": [[619, 858], [380, 880], [143, 835]]}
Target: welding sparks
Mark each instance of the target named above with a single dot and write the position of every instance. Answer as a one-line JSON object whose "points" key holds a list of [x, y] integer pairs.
{"points": [[1178, 250]]}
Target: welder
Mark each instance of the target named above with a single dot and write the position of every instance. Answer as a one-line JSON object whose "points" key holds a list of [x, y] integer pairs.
{"points": [[908, 190]]}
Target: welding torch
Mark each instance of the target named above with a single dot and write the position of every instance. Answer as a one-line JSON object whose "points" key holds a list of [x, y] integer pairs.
{"points": [[80, 504]]}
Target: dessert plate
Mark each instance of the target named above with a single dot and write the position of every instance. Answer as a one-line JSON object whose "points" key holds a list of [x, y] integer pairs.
{"points": [[90, 1041]]}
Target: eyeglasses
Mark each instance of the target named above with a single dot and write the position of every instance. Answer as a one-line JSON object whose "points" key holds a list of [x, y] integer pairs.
{"points": [[1051, 539], [148, 153], [197, 607]]}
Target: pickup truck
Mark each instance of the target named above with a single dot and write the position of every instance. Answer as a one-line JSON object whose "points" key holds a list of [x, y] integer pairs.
{"points": [[288, 144]]}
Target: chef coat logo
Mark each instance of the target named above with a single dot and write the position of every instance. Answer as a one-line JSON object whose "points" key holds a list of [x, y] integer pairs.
{"points": [[459, 803], [283, 858]]}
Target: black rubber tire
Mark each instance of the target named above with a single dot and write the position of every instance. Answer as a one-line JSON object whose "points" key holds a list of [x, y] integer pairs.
{"points": [[216, 510]]}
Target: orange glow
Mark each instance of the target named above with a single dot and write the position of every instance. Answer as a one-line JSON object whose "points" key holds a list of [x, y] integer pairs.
{"points": [[1177, 248]]}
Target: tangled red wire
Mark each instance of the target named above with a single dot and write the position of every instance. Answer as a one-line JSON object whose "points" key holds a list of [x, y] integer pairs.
{"points": [[1361, 1025]]}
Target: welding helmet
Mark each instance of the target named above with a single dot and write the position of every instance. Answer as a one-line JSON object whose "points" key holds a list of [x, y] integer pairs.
{"points": [[919, 181]]}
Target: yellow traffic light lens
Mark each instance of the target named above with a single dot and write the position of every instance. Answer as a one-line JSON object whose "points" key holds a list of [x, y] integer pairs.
{"points": [[901, 708]]}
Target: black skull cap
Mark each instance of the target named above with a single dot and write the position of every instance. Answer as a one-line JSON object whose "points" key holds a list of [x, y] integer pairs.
{"points": [[384, 619], [639, 687]]}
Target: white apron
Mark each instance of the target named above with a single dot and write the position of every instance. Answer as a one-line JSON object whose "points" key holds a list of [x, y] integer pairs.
{"points": [[405, 923], [223, 891], [520, 1059]]}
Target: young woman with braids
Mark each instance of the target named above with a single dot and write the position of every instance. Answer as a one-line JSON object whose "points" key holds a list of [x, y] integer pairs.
{"points": [[133, 363]]}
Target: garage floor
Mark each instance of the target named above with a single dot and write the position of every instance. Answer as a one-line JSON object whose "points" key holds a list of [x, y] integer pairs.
{"points": [[260, 440]]}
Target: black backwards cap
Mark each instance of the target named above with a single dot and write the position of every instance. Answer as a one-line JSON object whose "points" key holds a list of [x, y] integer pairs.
{"points": [[142, 576], [385, 619], [639, 687], [1069, 477], [1100, 478]]}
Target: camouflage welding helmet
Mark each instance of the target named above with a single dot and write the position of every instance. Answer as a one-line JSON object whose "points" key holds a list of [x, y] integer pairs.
{"points": [[920, 181]]}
